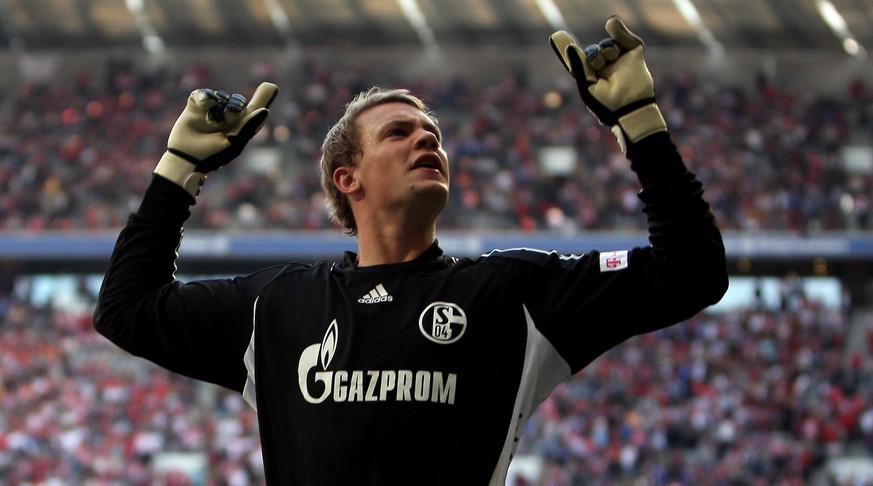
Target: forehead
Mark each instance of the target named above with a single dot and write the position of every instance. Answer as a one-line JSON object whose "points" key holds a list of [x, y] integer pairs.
{"points": [[390, 112]]}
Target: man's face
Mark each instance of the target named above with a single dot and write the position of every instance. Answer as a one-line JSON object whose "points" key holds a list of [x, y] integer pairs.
{"points": [[402, 161]]}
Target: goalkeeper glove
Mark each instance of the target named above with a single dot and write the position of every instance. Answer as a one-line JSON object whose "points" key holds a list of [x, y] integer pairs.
{"points": [[614, 82], [213, 130]]}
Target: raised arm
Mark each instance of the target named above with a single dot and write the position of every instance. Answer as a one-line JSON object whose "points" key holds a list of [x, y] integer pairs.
{"points": [[199, 329], [683, 270]]}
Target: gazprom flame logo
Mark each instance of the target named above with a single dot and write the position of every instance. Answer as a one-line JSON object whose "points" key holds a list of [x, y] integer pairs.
{"points": [[443, 322], [321, 354], [328, 345]]}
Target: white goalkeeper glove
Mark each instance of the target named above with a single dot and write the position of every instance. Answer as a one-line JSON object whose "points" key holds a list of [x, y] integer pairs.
{"points": [[614, 82], [213, 130]]}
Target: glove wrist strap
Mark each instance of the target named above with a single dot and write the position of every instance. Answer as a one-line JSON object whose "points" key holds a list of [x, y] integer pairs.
{"points": [[642, 122], [181, 172]]}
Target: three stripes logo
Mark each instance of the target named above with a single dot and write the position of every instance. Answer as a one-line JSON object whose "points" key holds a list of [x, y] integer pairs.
{"points": [[375, 296]]}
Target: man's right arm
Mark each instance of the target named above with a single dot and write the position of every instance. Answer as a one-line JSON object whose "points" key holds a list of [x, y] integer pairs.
{"points": [[199, 329]]}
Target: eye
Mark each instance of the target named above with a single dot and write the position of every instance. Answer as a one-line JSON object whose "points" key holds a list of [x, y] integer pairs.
{"points": [[395, 132]]}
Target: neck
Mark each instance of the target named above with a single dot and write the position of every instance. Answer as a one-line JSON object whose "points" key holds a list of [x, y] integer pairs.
{"points": [[384, 245]]}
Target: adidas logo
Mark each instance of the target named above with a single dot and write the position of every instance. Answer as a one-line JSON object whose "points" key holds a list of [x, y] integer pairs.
{"points": [[378, 294]]}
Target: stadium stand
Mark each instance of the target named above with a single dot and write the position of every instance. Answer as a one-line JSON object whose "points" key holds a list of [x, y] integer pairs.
{"points": [[525, 158]]}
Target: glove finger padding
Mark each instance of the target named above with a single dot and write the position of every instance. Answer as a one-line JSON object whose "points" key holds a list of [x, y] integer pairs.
{"points": [[618, 31], [610, 49], [560, 42], [597, 56], [575, 62], [255, 113]]}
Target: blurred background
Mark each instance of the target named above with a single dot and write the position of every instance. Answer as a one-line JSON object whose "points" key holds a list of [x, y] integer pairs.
{"points": [[770, 101]]}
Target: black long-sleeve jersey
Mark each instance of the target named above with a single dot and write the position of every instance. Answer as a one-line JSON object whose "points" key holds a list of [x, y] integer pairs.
{"points": [[421, 372]]}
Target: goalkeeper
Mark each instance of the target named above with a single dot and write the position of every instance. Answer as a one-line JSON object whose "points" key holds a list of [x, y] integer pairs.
{"points": [[398, 364]]}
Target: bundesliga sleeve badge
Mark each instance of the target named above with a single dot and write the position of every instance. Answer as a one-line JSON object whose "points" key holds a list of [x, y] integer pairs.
{"points": [[611, 261]]}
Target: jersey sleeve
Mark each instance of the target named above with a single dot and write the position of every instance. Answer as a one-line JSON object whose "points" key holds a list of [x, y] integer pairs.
{"points": [[199, 329], [585, 304]]}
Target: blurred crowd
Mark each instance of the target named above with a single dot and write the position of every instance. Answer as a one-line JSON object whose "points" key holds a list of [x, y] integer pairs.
{"points": [[75, 410], [77, 155], [757, 396]]}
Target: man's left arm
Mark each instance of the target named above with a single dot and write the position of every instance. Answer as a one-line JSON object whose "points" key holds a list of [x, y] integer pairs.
{"points": [[617, 88], [686, 255], [683, 270]]}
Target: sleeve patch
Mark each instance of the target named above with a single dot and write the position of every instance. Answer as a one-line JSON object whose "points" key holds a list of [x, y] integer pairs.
{"points": [[611, 261]]}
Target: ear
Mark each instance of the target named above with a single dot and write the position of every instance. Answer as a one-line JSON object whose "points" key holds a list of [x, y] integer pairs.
{"points": [[346, 180]]}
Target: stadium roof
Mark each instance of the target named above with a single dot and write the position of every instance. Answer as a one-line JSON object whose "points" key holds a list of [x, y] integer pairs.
{"points": [[841, 26]]}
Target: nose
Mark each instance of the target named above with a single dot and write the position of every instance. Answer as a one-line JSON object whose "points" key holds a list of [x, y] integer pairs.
{"points": [[427, 139]]}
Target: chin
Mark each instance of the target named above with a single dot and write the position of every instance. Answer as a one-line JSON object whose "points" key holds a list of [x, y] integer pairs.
{"points": [[436, 193], [432, 186]]}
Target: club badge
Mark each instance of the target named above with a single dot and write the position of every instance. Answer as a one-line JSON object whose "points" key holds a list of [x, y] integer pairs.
{"points": [[443, 322]]}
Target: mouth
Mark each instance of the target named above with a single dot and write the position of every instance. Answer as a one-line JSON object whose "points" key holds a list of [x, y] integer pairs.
{"points": [[428, 161]]}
